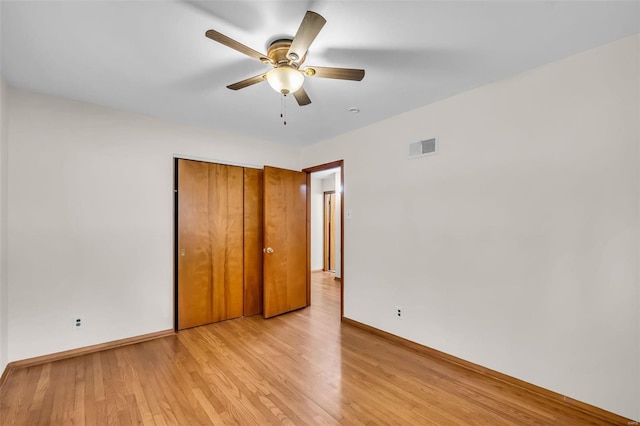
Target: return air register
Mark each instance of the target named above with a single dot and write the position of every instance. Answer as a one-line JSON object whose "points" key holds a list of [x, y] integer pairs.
{"points": [[423, 148]]}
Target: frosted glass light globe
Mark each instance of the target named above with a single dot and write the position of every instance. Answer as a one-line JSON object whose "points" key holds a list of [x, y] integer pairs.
{"points": [[285, 79]]}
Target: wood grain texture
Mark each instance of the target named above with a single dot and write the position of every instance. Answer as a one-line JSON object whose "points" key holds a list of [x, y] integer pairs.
{"points": [[226, 235], [302, 368], [308, 266], [329, 231], [72, 353], [5, 374], [590, 410], [253, 218], [285, 230], [325, 166], [194, 249], [210, 243]]}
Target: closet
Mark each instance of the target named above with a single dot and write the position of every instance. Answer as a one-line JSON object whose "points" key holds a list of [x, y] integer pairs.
{"points": [[225, 217], [219, 257]]}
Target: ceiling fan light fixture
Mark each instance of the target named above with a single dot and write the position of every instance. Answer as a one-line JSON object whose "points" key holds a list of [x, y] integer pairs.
{"points": [[285, 79], [286, 55]]}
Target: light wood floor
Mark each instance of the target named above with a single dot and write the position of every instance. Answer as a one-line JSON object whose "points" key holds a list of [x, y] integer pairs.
{"points": [[300, 368]]}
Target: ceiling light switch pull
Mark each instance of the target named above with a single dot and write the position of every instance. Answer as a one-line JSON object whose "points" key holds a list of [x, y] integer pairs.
{"points": [[283, 109]]}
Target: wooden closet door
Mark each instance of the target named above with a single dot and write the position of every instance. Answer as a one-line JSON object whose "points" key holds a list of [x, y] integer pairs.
{"points": [[194, 250], [226, 238], [252, 241], [210, 243], [285, 240]]}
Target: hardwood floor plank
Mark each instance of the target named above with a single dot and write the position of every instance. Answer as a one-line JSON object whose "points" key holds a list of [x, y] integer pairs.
{"points": [[15, 396], [305, 367], [178, 405], [78, 414], [41, 388], [253, 379]]}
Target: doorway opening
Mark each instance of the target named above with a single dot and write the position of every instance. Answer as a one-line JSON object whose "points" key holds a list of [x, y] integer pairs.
{"points": [[325, 231]]}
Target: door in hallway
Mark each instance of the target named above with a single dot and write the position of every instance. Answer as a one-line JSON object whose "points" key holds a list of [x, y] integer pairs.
{"points": [[329, 231]]}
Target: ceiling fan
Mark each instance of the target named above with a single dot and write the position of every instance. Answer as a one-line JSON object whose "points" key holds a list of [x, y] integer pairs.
{"points": [[286, 56]]}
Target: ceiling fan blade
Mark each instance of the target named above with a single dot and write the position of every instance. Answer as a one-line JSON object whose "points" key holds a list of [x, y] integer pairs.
{"points": [[248, 82], [338, 73], [229, 42], [311, 25], [302, 97]]}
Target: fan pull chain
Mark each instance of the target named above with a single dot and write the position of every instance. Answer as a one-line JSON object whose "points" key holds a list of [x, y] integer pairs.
{"points": [[283, 109]]}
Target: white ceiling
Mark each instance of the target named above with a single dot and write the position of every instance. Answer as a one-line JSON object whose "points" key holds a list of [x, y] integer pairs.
{"points": [[152, 56]]}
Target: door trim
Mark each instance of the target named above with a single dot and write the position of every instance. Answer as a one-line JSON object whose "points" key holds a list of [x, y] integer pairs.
{"points": [[175, 243], [332, 165], [216, 161]]}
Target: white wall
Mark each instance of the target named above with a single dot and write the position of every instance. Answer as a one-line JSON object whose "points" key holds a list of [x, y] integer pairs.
{"points": [[91, 218], [336, 187], [317, 224], [638, 290], [329, 183], [516, 247], [4, 299]]}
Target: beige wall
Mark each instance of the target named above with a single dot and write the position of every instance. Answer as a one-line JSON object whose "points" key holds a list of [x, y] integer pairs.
{"points": [[516, 247], [4, 290], [91, 218]]}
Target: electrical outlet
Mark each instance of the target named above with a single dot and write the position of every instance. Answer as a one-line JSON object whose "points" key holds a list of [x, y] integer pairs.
{"points": [[78, 323], [398, 312]]}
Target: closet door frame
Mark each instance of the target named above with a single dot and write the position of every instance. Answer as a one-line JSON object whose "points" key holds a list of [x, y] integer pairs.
{"points": [[176, 229], [308, 171]]}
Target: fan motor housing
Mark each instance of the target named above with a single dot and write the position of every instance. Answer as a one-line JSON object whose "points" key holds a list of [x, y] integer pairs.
{"points": [[278, 52]]}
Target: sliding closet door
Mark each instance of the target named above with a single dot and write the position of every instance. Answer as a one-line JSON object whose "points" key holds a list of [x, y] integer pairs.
{"points": [[226, 240], [195, 293], [226, 216], [210, 243]]}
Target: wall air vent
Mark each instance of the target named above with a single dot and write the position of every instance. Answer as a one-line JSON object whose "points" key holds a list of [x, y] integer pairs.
{"points": [[423, 148]]}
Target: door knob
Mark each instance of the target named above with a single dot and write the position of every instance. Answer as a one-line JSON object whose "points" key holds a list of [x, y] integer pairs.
{"points": [[182, 252], [268, 250]]}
